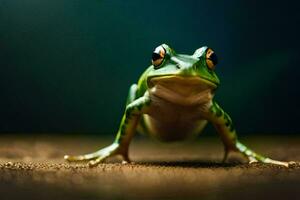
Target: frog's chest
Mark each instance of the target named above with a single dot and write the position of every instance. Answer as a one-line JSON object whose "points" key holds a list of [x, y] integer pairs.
{"points": [[176, 113]]}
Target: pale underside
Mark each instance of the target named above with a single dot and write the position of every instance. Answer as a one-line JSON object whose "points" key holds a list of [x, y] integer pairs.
{"points": [[178, 107]]}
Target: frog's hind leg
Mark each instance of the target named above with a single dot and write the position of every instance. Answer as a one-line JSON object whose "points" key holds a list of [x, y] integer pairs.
{"points": [[254, 157], [134, 109], [90, 156], [99, 154], [224, 126]]}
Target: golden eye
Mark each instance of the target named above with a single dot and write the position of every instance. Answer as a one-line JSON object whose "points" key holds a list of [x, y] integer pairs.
{"points": [[211, 59], [158, 56]]}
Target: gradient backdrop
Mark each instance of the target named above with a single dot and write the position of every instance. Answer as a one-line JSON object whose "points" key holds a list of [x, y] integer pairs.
{"points": [[66, 66]]}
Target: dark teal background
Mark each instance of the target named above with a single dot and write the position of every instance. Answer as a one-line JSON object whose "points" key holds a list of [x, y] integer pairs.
{"points": [[66, 65]]}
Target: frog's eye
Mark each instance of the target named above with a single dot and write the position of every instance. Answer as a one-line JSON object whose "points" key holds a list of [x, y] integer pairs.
{"points": [[211, 59], [158, 56]]}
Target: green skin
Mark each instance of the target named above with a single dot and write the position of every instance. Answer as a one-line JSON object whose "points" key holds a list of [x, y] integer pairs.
{"points": [[182, 85]]}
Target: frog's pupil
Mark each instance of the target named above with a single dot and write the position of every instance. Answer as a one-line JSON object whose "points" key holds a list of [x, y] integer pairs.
{"points": [[213, 57], [155, 56]]}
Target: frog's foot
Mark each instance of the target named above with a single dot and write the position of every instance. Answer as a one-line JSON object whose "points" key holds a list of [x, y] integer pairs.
{"points": [[273, 162], [99, 156], [269, 161], [254, 157]]}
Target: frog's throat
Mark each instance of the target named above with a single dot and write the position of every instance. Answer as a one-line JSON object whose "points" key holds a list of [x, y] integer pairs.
{"points": [[193, 80]]}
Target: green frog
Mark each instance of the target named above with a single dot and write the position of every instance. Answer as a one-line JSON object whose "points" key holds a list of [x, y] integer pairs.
{"points": [[174, 100]]}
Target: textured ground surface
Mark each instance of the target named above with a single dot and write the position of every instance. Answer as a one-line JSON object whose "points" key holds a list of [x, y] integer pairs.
{"points": [[32, 168]]}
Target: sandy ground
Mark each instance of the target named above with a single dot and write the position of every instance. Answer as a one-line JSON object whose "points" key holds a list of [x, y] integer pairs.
{"points": [[31, 167]]}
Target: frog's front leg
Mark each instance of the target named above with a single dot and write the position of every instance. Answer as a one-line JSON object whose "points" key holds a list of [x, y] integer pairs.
{"points": [[127, 128], [223, 123]]}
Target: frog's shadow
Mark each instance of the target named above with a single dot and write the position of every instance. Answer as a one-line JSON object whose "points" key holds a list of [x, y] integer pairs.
{"points": [[189, 164]]}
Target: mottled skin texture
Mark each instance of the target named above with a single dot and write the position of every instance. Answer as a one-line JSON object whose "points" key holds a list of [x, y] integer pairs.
{"points": [[173, 100]]}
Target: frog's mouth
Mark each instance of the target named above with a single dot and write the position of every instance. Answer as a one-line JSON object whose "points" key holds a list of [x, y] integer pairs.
{"points": [[187, 82], [182, 90]]}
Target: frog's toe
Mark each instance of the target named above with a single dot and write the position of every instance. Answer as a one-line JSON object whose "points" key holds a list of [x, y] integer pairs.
{"points": [[252, 160], [73, 158], [276, 162], [126, 159], [101, 159], [97, 161], [99, 156], [79, 158], [292, 163], [124, 162]]}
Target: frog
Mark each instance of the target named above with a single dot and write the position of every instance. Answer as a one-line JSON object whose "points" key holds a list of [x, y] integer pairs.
{"points": [[173, 100]]}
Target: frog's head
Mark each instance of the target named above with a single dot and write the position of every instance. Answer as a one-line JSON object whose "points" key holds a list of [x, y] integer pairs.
{"points": [[197, 68]]}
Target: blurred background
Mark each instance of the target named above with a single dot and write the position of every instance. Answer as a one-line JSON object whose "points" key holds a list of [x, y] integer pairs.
{"points": [[66, 66]]}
